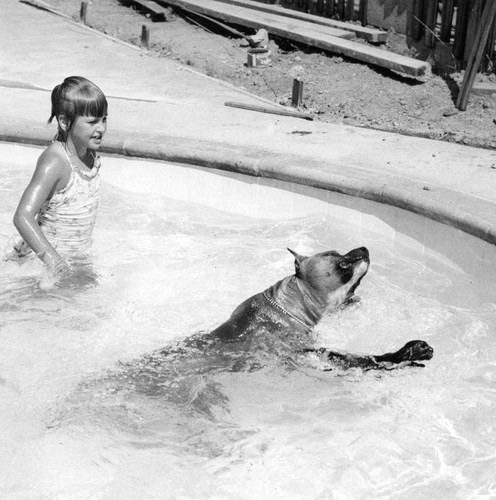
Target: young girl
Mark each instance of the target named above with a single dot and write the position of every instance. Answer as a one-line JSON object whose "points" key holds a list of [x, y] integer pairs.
{"points": [[57, 211]]}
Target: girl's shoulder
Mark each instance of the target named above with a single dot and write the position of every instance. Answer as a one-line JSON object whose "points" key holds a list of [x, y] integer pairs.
{"points": [[54, 159], [53, 168]]}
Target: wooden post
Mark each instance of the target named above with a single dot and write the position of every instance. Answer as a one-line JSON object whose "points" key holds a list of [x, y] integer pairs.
{"points": [[83, 11], [474, 19], [418, 19], [447, 20], [329, 8], [349, 10], [491, 44], [145, 36], [460, 28], [487, 21], [362, 12], [297, 97], [430, 21], [251, 60]]}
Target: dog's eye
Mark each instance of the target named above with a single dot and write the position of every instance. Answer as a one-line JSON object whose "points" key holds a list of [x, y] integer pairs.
{"points": [[344, 265]]}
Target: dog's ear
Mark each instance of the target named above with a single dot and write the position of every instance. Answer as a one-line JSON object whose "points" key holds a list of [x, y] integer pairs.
{"points": [[298, 261]]}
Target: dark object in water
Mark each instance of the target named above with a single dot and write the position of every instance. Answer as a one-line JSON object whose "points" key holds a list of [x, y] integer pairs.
{"points": [[409, 355]]}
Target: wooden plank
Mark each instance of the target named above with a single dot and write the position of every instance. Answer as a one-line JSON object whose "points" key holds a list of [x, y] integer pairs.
{"points": [[306, 33], [40, 4], [365, 53], [266, 109], [157, 12], [369, 34], [484, 88], [210, 19], [234, 14]]}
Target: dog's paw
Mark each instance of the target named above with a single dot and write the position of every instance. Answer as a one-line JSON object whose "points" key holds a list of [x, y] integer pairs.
{"points": [[415, 350]]}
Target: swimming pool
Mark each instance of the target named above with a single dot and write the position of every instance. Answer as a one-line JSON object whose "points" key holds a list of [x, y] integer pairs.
{"points": [[177, 248]]}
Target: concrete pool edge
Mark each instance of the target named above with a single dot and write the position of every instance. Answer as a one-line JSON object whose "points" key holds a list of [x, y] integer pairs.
{"points": [[456, 209]]}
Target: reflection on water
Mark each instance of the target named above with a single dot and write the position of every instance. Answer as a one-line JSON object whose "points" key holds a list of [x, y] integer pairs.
{"points": [[106, 392]]}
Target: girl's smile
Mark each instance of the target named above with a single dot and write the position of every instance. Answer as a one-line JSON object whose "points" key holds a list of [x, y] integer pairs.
{"points": [[87, 132]]}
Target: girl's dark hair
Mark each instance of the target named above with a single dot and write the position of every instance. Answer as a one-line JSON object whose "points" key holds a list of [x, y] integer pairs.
{"points": [[76, 96]]}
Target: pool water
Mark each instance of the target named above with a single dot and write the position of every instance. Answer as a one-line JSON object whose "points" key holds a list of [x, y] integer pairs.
{"points": [[86, 414]]}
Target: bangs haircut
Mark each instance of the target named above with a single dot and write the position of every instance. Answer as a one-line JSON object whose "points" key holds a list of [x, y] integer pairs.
{"points": [[76, 96], [87, 101]]}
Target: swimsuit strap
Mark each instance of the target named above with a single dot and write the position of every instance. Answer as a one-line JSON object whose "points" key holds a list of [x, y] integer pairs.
{"points": [[86, 175], [291, 315]]}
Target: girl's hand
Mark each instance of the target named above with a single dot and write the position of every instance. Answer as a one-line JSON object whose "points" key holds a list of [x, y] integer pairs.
{"points": [[58, 268], [76, 277]]}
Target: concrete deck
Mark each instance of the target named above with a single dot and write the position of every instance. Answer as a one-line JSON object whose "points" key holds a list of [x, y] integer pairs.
{"points": [[161, 110]]}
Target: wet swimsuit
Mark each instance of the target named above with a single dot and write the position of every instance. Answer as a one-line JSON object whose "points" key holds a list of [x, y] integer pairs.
{"points": [[67, 219]]}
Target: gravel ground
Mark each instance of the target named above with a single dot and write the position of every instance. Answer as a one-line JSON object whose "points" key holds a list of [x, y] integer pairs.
{"points": [[336, 89]]}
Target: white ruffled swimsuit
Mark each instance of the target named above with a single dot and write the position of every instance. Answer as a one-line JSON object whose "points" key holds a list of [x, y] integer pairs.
{"points": [[68, 218]]}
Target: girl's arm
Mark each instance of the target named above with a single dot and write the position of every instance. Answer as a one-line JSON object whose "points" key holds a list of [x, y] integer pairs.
{"points": [[51, 175]]}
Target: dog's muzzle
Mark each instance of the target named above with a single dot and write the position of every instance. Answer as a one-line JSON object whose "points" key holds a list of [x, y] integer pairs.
{"points": [[357, 255]]}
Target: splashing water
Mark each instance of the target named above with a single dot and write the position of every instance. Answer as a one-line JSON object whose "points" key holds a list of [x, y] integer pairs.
{"points": [[91, 409]]}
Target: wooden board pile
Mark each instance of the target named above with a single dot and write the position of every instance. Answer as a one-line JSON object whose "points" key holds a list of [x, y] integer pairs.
{"points": [[326, 34]]}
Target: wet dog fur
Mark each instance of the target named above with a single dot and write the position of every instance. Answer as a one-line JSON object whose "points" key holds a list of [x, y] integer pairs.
{"points": [[321, 284], [272, 328]]}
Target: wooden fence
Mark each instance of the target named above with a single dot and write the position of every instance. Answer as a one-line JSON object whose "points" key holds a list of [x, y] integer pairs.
{"points": [[344, 10], [451, 22]]}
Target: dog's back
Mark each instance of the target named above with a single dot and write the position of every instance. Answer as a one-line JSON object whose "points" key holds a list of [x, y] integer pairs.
{"points": [[321, 282]]}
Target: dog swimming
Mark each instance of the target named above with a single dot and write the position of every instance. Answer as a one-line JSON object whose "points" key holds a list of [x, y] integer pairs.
{"points": [[278, 322], [322, 284], [267, 335]]}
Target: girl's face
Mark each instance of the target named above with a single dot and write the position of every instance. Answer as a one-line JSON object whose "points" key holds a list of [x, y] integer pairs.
{"points": [[88, 131]]}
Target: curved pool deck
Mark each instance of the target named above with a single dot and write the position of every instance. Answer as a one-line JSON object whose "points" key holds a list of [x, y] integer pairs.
{"points": [[160, 110]]}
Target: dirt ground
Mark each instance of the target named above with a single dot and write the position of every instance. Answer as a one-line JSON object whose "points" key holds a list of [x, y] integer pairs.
{"points": [[336, 89]]}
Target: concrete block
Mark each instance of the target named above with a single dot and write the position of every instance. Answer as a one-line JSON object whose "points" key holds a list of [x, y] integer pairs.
{"points": [[484, 88]]}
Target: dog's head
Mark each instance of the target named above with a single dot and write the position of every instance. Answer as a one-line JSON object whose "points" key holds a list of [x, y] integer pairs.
{"points": [[331, 277]]}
